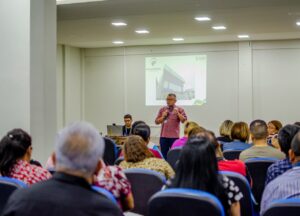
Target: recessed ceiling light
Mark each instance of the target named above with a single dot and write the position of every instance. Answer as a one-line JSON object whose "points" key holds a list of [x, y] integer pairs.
{"points": [[178, 39], [142, 31], [243, 36], [298, 23], [119, 24], [202, 18], [219, 27], [118, 42]]}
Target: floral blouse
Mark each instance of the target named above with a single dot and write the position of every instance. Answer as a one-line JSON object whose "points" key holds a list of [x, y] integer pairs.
{"points": [[158, 165]]}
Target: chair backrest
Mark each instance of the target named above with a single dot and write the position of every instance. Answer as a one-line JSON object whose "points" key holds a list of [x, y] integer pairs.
{"points": [[7, 187], [119, 160], [288, 207], [232, 154], [106, 193], [179, 201], [246, 202], [110, 151], [173, 157], [144, 183], [257, 168]]}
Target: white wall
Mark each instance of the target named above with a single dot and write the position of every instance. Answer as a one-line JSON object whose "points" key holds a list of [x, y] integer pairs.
{"points": [[244, 81], [28, 78], [115, 83], [70, 82]]}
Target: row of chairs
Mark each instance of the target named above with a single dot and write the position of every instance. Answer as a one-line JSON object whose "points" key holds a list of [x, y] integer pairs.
{"points": [[150, 200], [257, 168]]}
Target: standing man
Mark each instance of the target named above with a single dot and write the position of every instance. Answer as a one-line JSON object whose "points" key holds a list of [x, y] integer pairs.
{"points": [[126, 130], [170, 117]]}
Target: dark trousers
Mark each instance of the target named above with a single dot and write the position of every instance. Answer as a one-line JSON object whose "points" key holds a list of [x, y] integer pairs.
{"points": [[165, 145]]}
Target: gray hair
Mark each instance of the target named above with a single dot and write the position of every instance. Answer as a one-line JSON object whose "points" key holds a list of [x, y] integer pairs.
{"points": [[79, 147]]}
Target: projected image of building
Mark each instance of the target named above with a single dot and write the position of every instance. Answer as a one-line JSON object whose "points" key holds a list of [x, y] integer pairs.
{"points": [[172, 82]]}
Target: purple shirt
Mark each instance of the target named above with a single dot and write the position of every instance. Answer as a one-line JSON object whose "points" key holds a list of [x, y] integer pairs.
{"points": [[170, 127], [179, 143]]}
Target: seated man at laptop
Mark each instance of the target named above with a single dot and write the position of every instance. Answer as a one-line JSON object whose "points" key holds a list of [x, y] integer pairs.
{"points": [[126, 130]]}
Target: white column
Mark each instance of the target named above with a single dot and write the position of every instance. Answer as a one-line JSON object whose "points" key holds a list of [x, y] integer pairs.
{"points": [[245, 98], [28, 71]]}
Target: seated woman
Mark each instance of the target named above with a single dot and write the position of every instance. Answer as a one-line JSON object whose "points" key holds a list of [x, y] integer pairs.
{"points": [[240, 135], [273, 128], [187, 128], [144, 131], [113, 179], [137, 155], [15, 156], [225, 131], [198, 169]]}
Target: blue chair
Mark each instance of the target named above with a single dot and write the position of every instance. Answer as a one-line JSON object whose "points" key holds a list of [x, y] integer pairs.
{"points": [[247, 201], [173, 157], [288, 207], [106, 193], [119, 160], [232, 154], [180, 201], [7, 187], [144, 183], [257, 168]]}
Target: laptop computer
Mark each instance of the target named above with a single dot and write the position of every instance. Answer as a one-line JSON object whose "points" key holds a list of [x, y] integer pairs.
{"points": [[114, 130]]}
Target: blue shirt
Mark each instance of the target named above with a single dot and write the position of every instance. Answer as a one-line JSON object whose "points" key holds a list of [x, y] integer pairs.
{"points": [[236, 145], [284, 186], [277, 168]]}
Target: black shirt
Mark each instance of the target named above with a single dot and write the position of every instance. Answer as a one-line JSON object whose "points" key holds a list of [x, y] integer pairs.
{"points": [[126, 131], [63, 195]]}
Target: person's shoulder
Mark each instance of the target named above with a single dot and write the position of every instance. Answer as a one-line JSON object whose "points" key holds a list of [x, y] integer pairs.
{"points": [[99, 202]]}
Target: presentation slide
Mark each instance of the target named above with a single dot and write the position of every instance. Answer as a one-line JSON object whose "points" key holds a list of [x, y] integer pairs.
{"points": [[183, 75]]}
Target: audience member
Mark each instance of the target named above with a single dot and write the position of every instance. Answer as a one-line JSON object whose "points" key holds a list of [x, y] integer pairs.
{"points": [[285, 137], [225, 165], [195, 131], [225, 131], [273, 127], [187, 128], [287, 185], [297, 123], [144, 131], [15, 156], [113, 179], [79, 148], [137, 155], [240, 136], [198, 169], [127, 128], [259, 134]]}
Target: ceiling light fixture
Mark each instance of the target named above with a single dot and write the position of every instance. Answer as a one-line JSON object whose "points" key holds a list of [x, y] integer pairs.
{"points": [[202, 19], [298, 23], [219, 27], [118, 42], [243, 36], [119, 24], [178, 39], [142, 31]]}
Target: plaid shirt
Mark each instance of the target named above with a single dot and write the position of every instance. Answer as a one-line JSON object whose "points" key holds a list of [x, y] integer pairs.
{"points": [[277, 168], [285, 186], [170, 127]]}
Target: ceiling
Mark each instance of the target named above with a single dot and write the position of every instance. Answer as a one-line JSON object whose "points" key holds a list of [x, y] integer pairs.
{"points": [[88, 24]]}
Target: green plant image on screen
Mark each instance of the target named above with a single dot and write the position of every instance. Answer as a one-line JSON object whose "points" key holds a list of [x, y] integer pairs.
{"points": [[183, 75]]}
